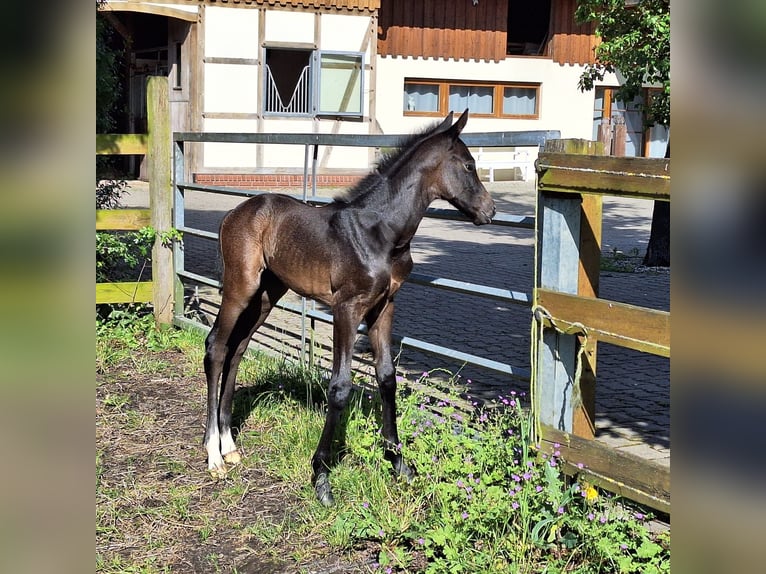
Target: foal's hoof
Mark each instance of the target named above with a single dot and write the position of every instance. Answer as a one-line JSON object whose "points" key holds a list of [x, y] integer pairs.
{"points": [[233, 458], [323, 491], [218, 472], [404, 471]]}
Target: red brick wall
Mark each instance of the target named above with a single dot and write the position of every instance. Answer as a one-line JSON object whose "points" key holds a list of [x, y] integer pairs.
{"points": [[257, 180]]}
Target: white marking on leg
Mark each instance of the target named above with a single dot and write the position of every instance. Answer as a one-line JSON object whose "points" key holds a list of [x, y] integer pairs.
{"points": [[229, 449], [215, 464]]}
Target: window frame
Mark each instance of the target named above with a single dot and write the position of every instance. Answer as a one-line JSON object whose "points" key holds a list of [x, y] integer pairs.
{"points": [[315, 83], [497, 97], [608, 95]]}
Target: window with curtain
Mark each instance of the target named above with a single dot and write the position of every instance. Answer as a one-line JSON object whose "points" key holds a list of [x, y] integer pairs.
{"points": [[421, 97], [479, 99], [437, 97], [519, 101]]}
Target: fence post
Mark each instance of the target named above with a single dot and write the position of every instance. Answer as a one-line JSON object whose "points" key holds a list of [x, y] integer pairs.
{"points": [[620, 136], [160, 196], [569, 256]]}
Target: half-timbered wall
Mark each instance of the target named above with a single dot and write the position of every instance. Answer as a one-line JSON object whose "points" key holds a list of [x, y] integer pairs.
{"points": [[236, 41]]}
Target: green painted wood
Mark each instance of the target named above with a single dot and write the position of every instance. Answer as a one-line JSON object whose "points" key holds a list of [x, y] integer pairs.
{"points": [[122, 219], [121, 144], [647, 178], [630, 326], [126, 292]]}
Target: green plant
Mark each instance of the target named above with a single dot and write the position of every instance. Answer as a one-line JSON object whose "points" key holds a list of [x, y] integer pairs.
{"points": [[484, 500]]}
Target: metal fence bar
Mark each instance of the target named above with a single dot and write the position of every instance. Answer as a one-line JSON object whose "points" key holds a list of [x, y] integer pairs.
{"points": [[499, 139], [502, 219], [530, 138]]}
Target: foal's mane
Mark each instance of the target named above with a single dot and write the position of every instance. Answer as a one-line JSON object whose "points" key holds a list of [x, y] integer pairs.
{"points": [[388, 163]]}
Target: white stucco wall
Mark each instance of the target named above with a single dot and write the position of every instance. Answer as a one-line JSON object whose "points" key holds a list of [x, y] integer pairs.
{"points": [[562, 106], [231, 33]]}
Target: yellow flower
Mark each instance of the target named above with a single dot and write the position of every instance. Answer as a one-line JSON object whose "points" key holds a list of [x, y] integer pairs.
{"points": [[591, 494]]}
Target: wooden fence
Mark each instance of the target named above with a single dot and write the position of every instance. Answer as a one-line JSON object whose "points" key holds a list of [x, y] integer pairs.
{"points": [[569, 318], [156, 144]]}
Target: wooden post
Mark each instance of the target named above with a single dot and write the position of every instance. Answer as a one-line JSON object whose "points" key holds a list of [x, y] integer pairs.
{"points": [[620, 137], [569, 257], [160, 196], [605, 135]]}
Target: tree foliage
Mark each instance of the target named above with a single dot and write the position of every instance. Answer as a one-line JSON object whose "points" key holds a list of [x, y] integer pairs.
{"points": [[635, 43], [107, 75]]}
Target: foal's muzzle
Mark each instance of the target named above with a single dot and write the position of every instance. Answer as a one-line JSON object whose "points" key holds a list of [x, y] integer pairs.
{"points": [[485, 215]]}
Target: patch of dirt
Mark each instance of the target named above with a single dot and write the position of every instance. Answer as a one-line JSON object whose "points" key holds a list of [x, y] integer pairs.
{"points": [[156, 505]]}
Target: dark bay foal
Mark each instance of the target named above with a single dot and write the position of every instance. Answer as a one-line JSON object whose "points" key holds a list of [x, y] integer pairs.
{"points": [[352, 255]]}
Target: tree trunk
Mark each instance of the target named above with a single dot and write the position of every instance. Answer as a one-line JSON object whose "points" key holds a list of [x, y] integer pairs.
{"points": [[658, 250]]}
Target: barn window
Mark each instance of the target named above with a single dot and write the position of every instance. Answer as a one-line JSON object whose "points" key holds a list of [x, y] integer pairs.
{"points": [[313, 83], [437, 97], [527, 27]]}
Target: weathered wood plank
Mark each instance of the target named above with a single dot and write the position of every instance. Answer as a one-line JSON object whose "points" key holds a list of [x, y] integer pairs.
{"points": [[160, 196], [122, 219], [121, 144], [647, 178], [622, 324], [126, 292], [639, 479], [646, 166]]}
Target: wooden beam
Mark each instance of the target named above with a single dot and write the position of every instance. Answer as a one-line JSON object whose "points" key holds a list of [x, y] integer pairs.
{"points": [[647, 178], [122, 219], [621, 324], [149, 8], [125, 292], [121, 144], [620, 472]]}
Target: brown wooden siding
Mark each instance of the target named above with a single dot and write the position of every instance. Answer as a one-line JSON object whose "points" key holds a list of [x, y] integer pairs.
{"points": [[443, 29], [570, 43]]}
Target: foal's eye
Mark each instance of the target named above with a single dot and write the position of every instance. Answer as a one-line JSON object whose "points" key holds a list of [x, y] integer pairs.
{"points": [[469, 167]]}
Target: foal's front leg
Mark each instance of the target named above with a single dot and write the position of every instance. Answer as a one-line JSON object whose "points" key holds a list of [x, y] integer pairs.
{"points": [[346, 319], [380, 323]]}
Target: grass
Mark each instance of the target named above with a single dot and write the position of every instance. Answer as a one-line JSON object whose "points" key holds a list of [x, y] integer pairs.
{"points": [[484, 499]]}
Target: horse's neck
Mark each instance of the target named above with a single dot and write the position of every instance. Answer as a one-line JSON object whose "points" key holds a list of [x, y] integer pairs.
{"points": [[409, 202]]}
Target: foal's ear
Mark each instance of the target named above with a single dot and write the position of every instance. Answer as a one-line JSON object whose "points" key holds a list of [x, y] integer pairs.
{"points": [[459, 125], [445, 125]]}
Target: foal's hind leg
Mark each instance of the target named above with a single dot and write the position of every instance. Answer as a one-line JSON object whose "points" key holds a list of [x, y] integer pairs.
{"points": [[243, 309], [264, 300], [379, 324]]}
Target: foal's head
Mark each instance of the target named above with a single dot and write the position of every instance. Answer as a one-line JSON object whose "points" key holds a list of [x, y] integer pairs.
{"points": [[450, 171]]}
